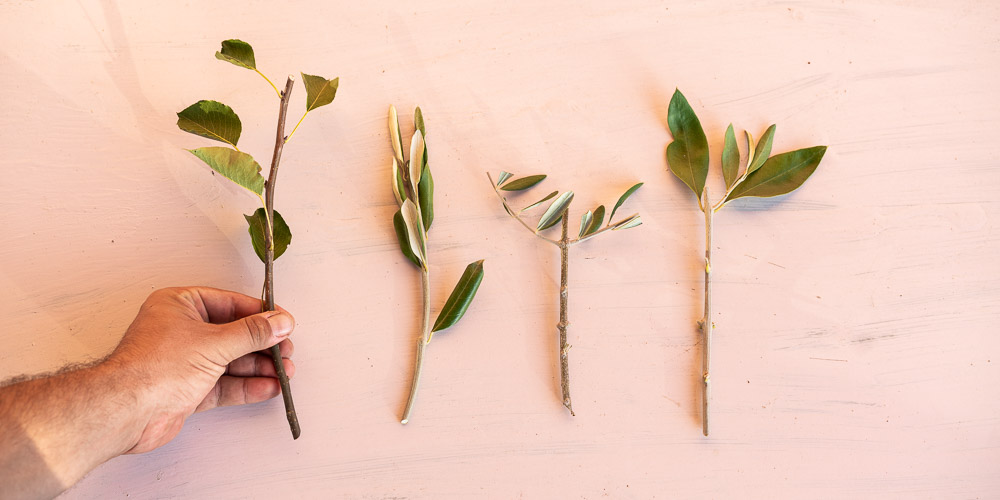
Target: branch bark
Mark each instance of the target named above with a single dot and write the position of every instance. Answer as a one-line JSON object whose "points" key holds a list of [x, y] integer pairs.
{"points": [[564, 313], [279, 367], [706, 322]]}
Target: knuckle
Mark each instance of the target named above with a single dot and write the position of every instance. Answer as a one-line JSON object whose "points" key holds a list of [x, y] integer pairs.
{"points": [[258, 328]]}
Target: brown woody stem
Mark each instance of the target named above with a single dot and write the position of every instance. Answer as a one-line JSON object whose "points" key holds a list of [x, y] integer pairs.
{"points": [[564, 313], [706, 322]]}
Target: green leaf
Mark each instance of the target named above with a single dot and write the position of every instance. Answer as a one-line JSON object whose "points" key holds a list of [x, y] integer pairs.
{"points": [[398, 191], [622, 199], [236, 166], [258, 225], [523, 183], [595, 224], [585, 222], [630, 222], [780, 174], [730, 158], [687, 155], [416, 160], [404, 239], [763, 150], [539, 202], [211, 119], [418, 121], [319, 90], [460, 298], [237, 52], [426, 197], [503, 177], [414, 230], [555, 211], [397, 142]]}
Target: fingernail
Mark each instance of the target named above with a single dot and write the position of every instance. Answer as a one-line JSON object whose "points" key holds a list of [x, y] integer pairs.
{"points": [[281, 324]]}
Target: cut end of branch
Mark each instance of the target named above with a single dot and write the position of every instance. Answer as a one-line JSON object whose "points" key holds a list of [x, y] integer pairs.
{"points": [[404, 421]]}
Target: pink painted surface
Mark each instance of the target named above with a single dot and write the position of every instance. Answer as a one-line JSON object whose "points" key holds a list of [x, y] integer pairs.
{"points": [[857, 345]]}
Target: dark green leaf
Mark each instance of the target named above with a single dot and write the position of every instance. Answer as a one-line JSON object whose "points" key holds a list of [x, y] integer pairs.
{"points": [[404, 240], [780, 174], [414, 230], [237, 52], [555, 211], [539, 202], [426, 197], [258, 225], [585, 222], [763, 149], [687, 155], [211, 119], [623, 198], [503, 177], [730, 158], [460, 298], [418, 121], [595, 224], [319, 90], [236, 166], [523, 183]]}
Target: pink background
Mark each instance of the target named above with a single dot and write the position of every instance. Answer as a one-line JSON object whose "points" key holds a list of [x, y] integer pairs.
{"points": [[857, 318]]}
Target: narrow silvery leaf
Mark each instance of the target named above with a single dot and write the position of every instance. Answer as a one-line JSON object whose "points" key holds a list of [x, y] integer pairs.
{"points": [[414, 229], [396, 184], [539, 202], [630, 222], [595, 224], [319, 90], [555, 211], [236, 166], [730, 158], [622, 199], [585, 222], [418, 121], [762, 151], [237, 52], [258, 225], [780, 174], [403, 237], [416, 159], [211, 119], [503, 177], [397, 141], [461, 297], [523, 183], [425, 195], [687, 155]]}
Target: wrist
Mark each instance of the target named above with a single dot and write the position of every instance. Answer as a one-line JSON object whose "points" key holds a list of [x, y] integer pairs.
{"points": [[126, 402]]}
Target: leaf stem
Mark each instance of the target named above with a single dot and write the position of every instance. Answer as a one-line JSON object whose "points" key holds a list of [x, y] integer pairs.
{"points": [[510, 212], [276, 91], [272, 179], [296, 127], [609, 227], [706, 322], [425, 338], [564, 313]]}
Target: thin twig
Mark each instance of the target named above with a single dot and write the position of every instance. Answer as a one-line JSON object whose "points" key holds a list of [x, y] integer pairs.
{"points": [[272, 179], [706, 322], [564, 313], [609, 227], [510, 212], [425, 338]]}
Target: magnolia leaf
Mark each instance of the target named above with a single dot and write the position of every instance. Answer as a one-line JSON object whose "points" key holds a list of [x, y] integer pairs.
{"points": [[237, 52], [404, 240], [503, 177], [460, 298], [236, 166], [780, 174], [762, 151], [539, 202], [730, 158], [555, 211], [319, 90], [414, 230], [426, 197], [523, 183], [211, 119], [585, 222], [397, 142], [687, 155], [397, 185], [418, 121], [416, 159], [258, 226], [595, 224], [630, 222], [622, 200]]}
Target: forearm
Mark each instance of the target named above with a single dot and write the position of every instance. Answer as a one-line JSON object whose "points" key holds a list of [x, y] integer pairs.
{"points": [[54, 430]]}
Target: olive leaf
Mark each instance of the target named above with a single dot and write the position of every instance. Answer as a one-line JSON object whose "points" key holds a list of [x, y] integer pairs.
{"points": [[404, 239], [414, 231], [622, 199], [730, 158], [762, 151], [258, 225], [585, 222], [780, 174], [460, 298], [539, 202], [555, 211], [211, 119], [236, 166], [598, 219], [397, 142], [687, 155], [630, 222], [319, 90], [425, 194], [416, 160], [503, 177], [523, 183], [237, 52], [397, 183], [418, 121]]}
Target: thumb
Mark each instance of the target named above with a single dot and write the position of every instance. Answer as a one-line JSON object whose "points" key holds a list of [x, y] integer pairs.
{"points": [[255, 333]]}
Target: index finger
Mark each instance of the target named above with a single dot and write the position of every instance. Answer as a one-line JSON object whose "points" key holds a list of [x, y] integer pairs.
{"points": [[225, 306]]}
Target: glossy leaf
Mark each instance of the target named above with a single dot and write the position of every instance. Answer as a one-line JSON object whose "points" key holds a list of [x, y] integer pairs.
{"points": [[461, 297], [585, 222], [416, 160], [503, 177], [258, 225], [397, 141], [211, 119], [523, 183], [426, 197], [539, 202], [622, 199], [403, 237], [319, 90], [630, 222], [687, 155], [730, 158], [780, 174], [418, 121], [555, 211], [595, 224], [234, 165], [762, 151], [237, 52], [414, 230]]}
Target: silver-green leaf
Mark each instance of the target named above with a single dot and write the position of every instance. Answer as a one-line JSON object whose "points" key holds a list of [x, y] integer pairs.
{"points": [[397, 141], [414, 230], [630, 222], [237, 52], [503, 177], [236, 166], [416, 160], [555, 211], [403, 237], [585, 222], [622, 199], [211, 119], [319, 90], [598, 219], [539, 202]]}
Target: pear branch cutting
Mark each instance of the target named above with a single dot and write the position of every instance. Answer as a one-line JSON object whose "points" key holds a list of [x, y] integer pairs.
{"points": [[413, 189], [762, 175], [558, 213], [269, 233]]}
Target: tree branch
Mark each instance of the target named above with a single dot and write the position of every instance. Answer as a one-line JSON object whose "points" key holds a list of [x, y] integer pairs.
{"points": [[564, 313], [510, 211]]}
